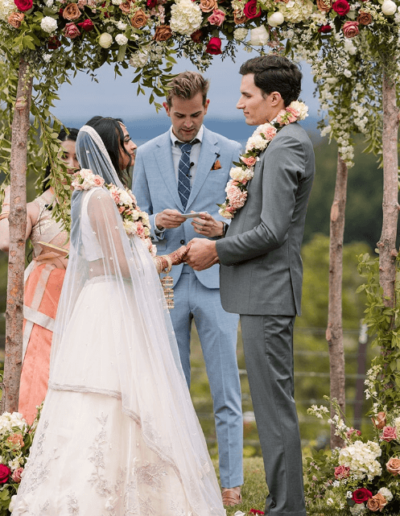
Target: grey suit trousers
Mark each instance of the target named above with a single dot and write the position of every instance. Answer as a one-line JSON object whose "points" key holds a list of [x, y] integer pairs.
{"points": [[268, 350]]}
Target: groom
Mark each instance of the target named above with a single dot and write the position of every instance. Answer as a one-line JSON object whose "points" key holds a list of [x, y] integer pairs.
{"points": [[261, 273]]}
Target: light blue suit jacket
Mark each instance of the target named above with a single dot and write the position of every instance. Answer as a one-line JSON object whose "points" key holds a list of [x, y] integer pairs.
{"points": [[155, 188]]}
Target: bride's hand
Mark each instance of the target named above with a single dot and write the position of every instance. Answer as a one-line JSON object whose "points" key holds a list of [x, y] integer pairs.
{"points": [[178, 256]]}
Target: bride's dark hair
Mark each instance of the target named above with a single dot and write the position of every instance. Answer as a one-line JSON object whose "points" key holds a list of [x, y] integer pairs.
{"points": [[110, 131]]}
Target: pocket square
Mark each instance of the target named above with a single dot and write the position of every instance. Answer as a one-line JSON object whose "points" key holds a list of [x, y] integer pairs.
{"points": [[217, 165]]}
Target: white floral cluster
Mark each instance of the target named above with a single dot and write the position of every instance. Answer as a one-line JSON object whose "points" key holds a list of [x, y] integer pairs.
{"points": [[358, 509], [240, 174], [372, 375], [186, 17], [9, 421], [318, 412], [85, 180], [296, 11], [339, 424], [384, 491], [48, 24], [361, 459], [240, 34], [139, 59], [6, 8]]}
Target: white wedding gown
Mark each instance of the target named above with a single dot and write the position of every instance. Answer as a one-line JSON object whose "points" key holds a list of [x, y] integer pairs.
{"points": [[118, 435]]}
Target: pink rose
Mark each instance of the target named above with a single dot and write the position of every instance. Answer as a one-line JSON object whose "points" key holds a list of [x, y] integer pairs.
{"points": [[17, 475], [250, 162], [115, 196], [342, 472], [5, 472], [217, 18], [393, 466], [71, 31], [269, 133], [351, 432], [350, 29], [98, 181], [388, 434]]}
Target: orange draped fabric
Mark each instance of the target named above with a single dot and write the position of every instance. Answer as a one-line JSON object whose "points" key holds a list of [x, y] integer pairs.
{"points": [[35, 369]]}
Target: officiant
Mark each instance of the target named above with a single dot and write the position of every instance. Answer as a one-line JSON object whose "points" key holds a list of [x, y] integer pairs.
{"points": [[186, 170]]}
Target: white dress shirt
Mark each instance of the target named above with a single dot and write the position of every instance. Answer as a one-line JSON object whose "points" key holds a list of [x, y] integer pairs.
{"points": [[194, 154]]}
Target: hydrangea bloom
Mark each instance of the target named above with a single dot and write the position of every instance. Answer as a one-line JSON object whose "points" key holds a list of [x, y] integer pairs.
{"points": [[361, 459], [186, 17]]}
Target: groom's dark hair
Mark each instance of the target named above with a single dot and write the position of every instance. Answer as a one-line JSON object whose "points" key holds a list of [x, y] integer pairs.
{"points": [[275, 73]]}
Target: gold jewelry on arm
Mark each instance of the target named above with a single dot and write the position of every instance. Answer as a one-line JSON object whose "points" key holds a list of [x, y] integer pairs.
{"points": [[4, 215]]}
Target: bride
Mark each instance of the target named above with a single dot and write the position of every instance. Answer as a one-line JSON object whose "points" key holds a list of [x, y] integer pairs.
{"points": [[118, 435]]}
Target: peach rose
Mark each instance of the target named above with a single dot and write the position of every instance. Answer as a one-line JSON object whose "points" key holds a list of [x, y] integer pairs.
{"points": [[380, 420], [364, 18], [163, 33], [71, 12], [98, 181], [350, 29], [239, 18], [388, 434], [16, 439], [139, 20], [269, 133], [324, 5], [15, 19], [197, 36], [126, 6], [250, 162], [376, 503], [393, 466], [217, 18], [208, 5], [17, 475]]}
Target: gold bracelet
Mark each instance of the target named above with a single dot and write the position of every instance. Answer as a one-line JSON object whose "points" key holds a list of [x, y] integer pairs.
{"points": [[4, 215]]}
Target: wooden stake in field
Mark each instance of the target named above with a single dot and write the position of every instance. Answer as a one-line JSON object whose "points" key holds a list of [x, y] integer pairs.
{"points": [[334, 332], [16, 260]]}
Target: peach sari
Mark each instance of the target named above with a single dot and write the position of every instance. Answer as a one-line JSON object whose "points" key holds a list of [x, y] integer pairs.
{"points": [[43, 283]]}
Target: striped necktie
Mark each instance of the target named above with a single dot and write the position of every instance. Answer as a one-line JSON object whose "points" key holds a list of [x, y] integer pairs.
{"points": [[183, 173]]}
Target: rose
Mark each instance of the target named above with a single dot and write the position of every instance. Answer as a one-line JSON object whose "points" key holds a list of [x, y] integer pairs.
{"points": [[275, 19], [197, 36], [350, 29], [15, 20], [251, 10], [121, 39], [364, 18], [71, 12], [341, 7], [17, 475], [48, 24], [139, 20], [5, 472], [163, 33], [214, 46], [342, 472], [380, 420], [217, 18], [388, 434], [377, 503], [53, 43], [71, 31], [250, 161], [86, 25], [98, 181], [207, 6], [352, 431], [361, 495], [324, 5], [105, 40], [23, 5], [16, 439], [151, 3], [239, 18], [384, 491], [259, 36], [126, 7], [325, 29], [393, 466], [388, 7]]}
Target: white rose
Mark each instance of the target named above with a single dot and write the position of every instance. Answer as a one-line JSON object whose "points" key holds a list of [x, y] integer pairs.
{"points": [[275, 19], [386, 493], [240, 34], [121, 25], [388, 7], [259, 36], [49, 3], [105, 40], [117, 2], [48, 24], [121, 39]]}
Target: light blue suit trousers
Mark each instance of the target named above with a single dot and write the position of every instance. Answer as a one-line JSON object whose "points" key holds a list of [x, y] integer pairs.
{"points": [[196, 294]]}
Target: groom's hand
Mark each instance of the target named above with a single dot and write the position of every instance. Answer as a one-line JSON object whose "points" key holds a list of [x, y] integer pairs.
{"points": [[202, 254]]}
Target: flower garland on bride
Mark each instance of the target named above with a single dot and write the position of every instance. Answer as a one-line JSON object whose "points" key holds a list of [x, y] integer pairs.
{"points": [[135, 221], [243, 172]]}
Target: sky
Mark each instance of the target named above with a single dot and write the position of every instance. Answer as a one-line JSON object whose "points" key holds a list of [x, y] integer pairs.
{"points": [[117, 97]]}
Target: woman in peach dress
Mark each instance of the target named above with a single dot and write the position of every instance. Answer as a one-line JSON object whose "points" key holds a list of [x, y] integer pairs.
{"points": [[43, 283]]}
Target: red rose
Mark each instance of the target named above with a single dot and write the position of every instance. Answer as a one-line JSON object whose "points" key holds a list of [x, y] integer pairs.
{"points": [[5, 472], [53, 43], [214, 46], [86, 25], [71, 31], [250, 10], [324, 29], [24, 5], [361, 495], [341, 7], [61, 12], [151, 3], [254, 511]]}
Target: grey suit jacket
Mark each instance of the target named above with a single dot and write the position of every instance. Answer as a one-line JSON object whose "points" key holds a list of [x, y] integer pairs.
{"points": [[261, 268]]}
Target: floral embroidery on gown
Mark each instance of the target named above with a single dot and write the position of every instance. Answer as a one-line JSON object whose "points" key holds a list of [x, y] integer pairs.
{"points": [[118, 434]]}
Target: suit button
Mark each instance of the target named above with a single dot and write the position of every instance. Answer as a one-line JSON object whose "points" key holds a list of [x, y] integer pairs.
{"points": [[182, 242]]}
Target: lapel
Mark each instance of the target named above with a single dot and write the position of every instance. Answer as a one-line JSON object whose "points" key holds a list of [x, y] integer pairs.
{"points": [[166, 167], [208, 155]]}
